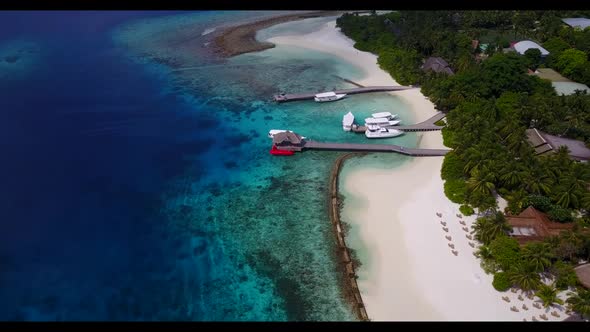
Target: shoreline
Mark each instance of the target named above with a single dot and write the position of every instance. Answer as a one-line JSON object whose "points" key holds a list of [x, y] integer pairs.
{"points": [[352, 291], [413, 274], [240, 39]]}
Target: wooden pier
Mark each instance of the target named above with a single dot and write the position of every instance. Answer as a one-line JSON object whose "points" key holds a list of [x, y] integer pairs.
{"points": [[291, 141], [427, 125], [312, 145], [281, 98]]}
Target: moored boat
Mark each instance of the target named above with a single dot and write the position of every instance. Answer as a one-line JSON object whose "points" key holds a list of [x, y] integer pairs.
{"points": [[386, 115], [328, 96], [347, 121], [374, 131], [381, 122], [276, 152]]}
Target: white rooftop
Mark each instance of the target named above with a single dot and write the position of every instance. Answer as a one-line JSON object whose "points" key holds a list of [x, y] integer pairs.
{"points": [[569, 88], [326, 94], [523, 46], [580, 22]]}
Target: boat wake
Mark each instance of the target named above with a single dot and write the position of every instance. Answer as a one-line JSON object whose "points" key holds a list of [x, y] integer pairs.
{"points": [[207, 31]]}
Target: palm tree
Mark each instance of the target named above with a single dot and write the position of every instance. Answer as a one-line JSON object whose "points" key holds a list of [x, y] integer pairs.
{"points": [[512, 174], [482, 181], [552, 241], [567, 197], [484, 252], [568, 194], [573, 121], [573, 180], [538, 254], [538, 181], [573, 237], [580, 302], [560, 161], [548, 295], [516, 200], [490, 227], [585, 201], [474, 158], [571, 244], [525, 276]]}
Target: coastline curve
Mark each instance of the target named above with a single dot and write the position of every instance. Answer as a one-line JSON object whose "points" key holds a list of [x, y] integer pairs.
{"points": [[350, 283]]}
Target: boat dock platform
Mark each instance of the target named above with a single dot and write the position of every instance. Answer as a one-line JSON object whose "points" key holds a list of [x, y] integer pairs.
{"points": [[281, 98], [427, 125], [290, 141], [312, 145]]}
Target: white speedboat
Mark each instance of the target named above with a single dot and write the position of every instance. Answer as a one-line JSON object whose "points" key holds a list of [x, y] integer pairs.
{"points": [[328, 96], [347, 121], [386, 115], [273, 132], [381, 122], [379, 132]]}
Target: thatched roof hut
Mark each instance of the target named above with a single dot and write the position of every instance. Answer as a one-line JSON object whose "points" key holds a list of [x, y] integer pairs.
{"points": [[287, 138], [437, 65], [583, 273], [534, 225]]}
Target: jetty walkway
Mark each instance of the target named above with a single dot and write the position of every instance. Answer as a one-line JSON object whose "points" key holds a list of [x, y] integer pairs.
{"points": [[312, 145], [281, 98], [427, 125]]}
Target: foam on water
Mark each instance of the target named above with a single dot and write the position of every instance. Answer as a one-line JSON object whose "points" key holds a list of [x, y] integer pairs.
{"points": [[207, 31]]}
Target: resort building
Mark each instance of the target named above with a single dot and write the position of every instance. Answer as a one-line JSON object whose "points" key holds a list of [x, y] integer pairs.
{"points": [[544, 143], [522, 46], [437, 65], [288, 139], [577, 22], [475, 44], [561, 84], [534, 225], [583, 273]]}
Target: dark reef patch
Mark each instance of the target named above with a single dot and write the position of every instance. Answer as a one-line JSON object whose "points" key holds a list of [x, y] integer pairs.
{"points": [[11, 58], [230, 164]]}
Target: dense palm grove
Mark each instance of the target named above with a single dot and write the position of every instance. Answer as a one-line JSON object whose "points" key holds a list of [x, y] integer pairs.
{"points": [[490, 102]]}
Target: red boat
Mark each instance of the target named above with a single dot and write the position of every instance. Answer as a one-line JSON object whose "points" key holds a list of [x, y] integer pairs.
{"points": [[277, 152]]}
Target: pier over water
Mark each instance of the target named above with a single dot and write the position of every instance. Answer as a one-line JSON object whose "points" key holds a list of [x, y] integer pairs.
{"points": [[290, 141], [305, 96], [426, 125]]}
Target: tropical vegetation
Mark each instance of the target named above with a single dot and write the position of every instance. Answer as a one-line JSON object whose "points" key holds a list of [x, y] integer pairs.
{"points": [[490, 101], [580, 302], [548, 295]]}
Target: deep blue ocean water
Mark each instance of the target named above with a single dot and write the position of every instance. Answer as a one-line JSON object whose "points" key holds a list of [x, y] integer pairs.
{"points": [[132, 190], [88, 141]]}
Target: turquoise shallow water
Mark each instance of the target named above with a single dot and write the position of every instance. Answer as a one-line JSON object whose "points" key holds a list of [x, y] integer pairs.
{"points": [[158, 199], [270, 243]]}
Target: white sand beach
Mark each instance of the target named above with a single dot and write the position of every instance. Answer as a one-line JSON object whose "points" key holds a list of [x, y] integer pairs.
{"points": [[412, 274]]}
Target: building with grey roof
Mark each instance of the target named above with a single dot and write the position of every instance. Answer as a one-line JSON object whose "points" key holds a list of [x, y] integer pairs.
{"points": [[544, 143], [577, 22], [437, 65]]}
